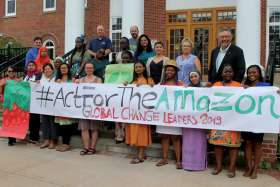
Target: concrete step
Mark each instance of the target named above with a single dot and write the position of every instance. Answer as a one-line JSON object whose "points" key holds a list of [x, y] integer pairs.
{"points": [[108, 144]]}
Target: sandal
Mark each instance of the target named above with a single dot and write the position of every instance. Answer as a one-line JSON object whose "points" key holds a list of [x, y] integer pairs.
{"points": [[59, 147], [179, 165], [64, 148], [247, 173], [162, 163], [231, 174], [216, 171], [52, 146], [91, 151], [136, 161], [254, 175], [33, 141], [43, 146], [84, 152]]}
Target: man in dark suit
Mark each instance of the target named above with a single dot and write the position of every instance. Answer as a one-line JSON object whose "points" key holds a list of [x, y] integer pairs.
{"points": [[226, 53]]}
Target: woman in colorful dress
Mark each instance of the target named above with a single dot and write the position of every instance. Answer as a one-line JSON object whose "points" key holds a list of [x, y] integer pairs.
{"points": [[139, 135], [144, 49], [66, 124], [187, 62], [253, 141], [155, 65], [170, 133], [87, 126], [49, 128], [194, 151], [78, 58], [226, 139]]}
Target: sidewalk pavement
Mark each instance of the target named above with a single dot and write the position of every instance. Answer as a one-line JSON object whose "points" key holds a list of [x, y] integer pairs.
{"points": [[25, 165]]}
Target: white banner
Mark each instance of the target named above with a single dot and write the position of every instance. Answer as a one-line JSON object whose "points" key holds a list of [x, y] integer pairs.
{"points": [[226, 108]]}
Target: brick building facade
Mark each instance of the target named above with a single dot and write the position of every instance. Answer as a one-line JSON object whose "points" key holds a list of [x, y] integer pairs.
{"points": [[31, 20]]}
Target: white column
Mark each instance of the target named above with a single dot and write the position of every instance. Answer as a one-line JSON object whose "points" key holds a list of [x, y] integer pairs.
{"points": [[133, 14], [248, 30], [74, 22]]}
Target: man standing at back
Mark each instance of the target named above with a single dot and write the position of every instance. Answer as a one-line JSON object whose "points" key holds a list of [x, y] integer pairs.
{"points": [[33, 52], [100, 42], [134, 31], [226, 53]]}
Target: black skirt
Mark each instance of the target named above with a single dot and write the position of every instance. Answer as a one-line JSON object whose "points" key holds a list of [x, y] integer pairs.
{"points": [[250, 136]]}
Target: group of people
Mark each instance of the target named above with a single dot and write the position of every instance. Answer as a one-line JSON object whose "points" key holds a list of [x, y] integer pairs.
{"points": [[87, 64]]}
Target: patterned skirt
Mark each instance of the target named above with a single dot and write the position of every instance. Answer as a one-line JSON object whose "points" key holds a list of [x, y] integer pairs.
{"points": [[225, 138]]}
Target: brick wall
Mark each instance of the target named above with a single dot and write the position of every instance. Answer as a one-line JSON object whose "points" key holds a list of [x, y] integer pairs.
{"points": [[154, 19], [2, 9], [263, 31], [31, 21], [270, 147], [97, 12]]}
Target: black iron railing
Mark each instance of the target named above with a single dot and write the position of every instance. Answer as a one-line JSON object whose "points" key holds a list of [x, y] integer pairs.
{"points": [[67, 56], [16, 57], [273, 64], [8, 53], [12, 57]]}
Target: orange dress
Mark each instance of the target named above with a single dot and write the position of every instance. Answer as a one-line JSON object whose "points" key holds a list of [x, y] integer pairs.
{"points": [[225, 138], [138, 134]]}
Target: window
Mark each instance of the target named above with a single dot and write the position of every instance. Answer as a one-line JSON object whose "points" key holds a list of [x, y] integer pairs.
{"points": [[49, 5], [10, 8], [227, 16], [201, 47], [175, 38], [274, 34], [177, 18], [116, 33], [274, 15], [49, 44], [201, 16]]}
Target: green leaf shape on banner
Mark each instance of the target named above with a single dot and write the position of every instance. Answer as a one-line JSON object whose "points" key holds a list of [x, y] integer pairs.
{"points": [[119, 73], [18, 93]]}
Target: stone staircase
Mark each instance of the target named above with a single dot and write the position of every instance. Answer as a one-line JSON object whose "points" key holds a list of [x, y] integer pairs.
{"points": [[107, 143]]}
